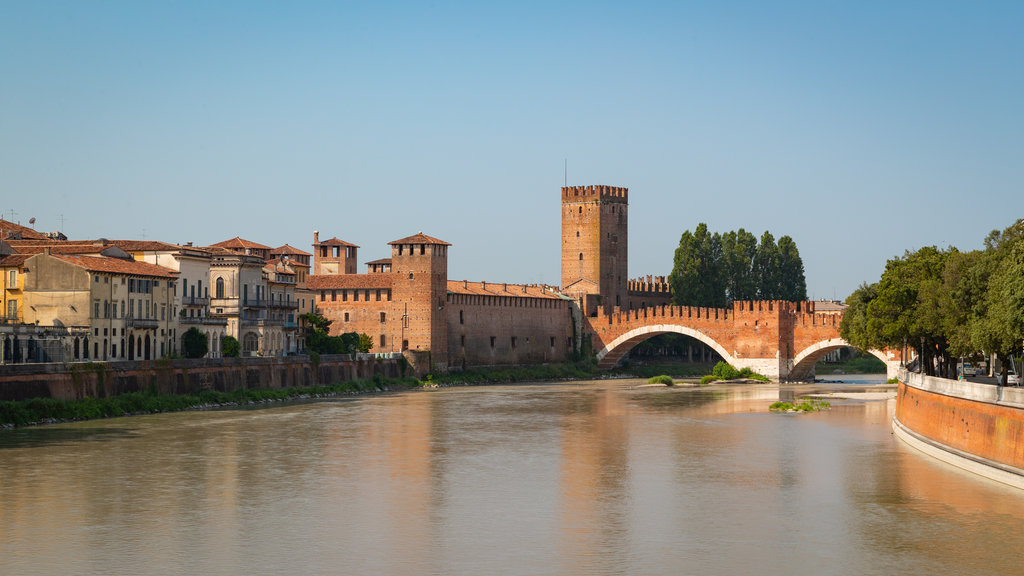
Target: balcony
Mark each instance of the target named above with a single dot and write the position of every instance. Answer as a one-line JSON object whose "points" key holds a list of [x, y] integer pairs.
{"points": [[261, 322], [203, 320], [194, 301], [142, 323], [292, 305]]}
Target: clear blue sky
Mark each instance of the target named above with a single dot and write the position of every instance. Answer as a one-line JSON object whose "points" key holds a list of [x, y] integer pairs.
{"points": [[861, 129]]}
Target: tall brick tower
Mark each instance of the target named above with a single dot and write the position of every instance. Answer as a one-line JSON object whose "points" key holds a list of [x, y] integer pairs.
{"points": [[594, 246], [420, 267], [333, 256]]}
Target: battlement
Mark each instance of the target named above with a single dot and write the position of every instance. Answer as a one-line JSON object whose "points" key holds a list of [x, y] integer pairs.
{"points": [[649, 285], [571, 194]]}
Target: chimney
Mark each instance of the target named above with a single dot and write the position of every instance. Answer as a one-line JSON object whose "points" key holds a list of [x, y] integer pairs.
{"points": [[316, 236]]}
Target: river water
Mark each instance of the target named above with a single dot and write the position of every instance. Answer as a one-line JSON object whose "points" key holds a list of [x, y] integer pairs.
{"points": [[608, 477]]}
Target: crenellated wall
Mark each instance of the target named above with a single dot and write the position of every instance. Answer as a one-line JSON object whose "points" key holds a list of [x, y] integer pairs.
{"points": [[770, 337]]}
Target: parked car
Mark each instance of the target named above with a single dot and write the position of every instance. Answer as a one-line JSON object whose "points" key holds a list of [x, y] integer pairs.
{"points": [[1012, 378], [969, 370]]}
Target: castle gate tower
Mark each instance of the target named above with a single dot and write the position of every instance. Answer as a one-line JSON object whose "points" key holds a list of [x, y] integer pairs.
{"points": [[594, 246], [420, 267]]}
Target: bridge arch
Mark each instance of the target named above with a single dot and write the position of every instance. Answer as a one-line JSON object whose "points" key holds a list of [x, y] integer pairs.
{"points": [[610, 355], [804, 361]]}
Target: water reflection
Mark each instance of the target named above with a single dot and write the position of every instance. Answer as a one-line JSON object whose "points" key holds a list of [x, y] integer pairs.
{"points": [[585, 478]]}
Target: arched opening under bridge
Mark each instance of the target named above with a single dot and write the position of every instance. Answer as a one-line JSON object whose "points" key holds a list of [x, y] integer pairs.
{"points": [[613, 353], [805, 361]]}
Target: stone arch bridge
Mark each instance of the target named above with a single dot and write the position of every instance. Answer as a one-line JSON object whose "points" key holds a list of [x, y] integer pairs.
{"points": [[782, 340]]}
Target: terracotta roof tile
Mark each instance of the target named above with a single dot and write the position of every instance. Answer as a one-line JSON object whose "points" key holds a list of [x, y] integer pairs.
{"points": [[381, 261], [14, 260], [492, 289], [419, 238], [237, 242], [12, 228], [336, 242], [117, 266], [343, 281], [289, 250]]}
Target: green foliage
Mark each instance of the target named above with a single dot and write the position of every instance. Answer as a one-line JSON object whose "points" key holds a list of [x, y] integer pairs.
{"points": [[662, 379], [37, 410], [365, 343], [230, 347], [194, 343], [802, 405], [725, 371], [501, 374], [713, 270], [319, 340], [945, 303]]}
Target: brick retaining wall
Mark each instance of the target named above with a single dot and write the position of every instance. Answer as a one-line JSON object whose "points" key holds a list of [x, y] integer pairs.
{"points": [[104, 379]]}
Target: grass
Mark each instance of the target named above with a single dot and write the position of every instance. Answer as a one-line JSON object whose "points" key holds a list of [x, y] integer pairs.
{"points": [[662, 379], [801, 405], [724, 371], [505, 374], [37, 410]]}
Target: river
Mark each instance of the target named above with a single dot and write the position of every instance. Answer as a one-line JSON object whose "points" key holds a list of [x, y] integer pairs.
{"points": [[606, 477]]}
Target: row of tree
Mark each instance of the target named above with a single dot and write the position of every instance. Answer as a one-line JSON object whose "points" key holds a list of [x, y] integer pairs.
{"points": [[717, 269], [195, 344], [945, 304]]}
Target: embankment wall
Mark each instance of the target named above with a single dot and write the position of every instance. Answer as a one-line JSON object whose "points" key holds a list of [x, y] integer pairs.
{"points": [[74, 381], [979, 427]]}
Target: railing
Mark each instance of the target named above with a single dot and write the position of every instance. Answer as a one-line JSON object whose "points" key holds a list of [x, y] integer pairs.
{"points": [[194, 301], [289, 305], [261, 322], [142, 322], [207, 320]]}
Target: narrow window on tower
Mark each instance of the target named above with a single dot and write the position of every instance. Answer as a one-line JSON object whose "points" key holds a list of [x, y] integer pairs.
{"points": [[581, 256]]}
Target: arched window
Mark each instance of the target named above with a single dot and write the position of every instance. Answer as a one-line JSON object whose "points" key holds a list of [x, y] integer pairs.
{"points": [[220, 287], [581, 256]]}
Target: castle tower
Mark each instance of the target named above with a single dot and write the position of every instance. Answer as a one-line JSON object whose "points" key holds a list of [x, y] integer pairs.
{"points": [[594, 246], [333, 256], [419, 264]]}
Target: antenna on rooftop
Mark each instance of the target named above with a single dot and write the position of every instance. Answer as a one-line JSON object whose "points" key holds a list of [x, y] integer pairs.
{"points": [[31, 220]]}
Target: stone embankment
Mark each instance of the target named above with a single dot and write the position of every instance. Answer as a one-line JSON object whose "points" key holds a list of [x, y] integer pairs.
{"points": [[978, 427], [75, 381]]}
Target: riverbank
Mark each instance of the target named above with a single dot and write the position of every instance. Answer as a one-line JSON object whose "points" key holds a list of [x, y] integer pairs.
{"points": [[37, 411]]}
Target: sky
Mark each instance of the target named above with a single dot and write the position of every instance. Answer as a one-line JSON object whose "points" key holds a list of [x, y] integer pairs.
{"points": [[860, 129]]}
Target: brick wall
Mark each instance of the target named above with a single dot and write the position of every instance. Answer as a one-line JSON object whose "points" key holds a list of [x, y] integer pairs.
{"points": [[507, 330], [105, 379]]}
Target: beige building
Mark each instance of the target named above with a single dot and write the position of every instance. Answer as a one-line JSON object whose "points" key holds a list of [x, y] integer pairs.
{"points": [[125, 308]]}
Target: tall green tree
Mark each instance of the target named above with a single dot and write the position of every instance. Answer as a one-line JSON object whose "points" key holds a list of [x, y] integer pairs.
{"points": [[766, 268], [790, 273], [194, 343], [230, 347]]}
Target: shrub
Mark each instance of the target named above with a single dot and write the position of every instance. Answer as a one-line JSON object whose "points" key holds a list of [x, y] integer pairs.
{"points": [[662, 379]]}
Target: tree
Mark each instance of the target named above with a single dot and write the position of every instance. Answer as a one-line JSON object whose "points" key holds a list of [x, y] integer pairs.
{"points": [[194, 343], [766, 268], [714, 270], [365, 343], [790, 273], [230, 347], [854, 325]]}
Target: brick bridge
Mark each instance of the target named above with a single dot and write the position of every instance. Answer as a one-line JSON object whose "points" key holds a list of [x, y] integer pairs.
{"points": [[782, 340]]}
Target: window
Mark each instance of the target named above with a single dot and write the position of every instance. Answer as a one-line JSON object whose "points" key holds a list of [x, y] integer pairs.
{"points": [[410, 275], [492, 342], [344, 295], [405, 344], [381, 341], [96, 279], [552, 341], [581, 256], [220, 288], [513, 342], [323, 295], [355, 295], [96, 308], [383, 316], [462, 340], [346, 316], [334, 295], [378, 295], [12, 309], [423, 249], [461, 321], [12, 281]]}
